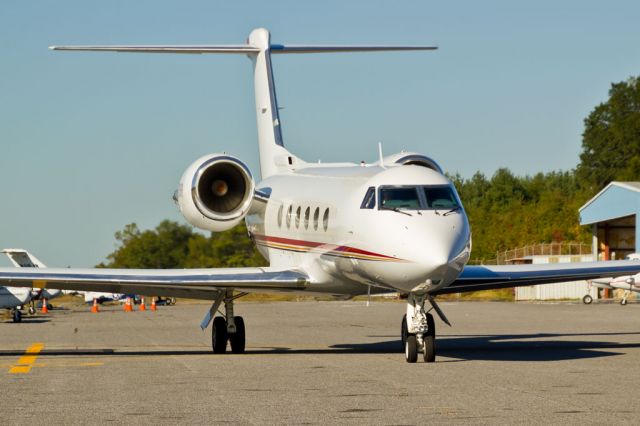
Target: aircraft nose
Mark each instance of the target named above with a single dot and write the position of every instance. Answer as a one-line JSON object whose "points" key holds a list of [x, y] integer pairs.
{"points": [[440, 259]]}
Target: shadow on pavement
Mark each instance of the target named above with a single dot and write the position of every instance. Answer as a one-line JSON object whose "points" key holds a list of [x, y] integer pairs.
{"points": [[510, 347]]}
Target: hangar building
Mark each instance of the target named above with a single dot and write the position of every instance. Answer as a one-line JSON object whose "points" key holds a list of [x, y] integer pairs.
{"points": [[613, 214]]}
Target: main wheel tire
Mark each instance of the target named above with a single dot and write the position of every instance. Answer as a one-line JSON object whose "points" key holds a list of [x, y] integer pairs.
{"points": [[219, 335], [411, 348], [17, 316], [403, 330], [237, 339], [587, 299], [429, 348], [623, 302]]}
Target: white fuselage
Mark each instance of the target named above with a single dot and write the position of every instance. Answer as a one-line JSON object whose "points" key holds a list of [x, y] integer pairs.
{"points": [[313, 220], [12, 297]]}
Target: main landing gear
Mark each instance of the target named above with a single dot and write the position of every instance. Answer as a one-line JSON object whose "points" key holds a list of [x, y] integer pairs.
{"points": [[227, 328], [419, 329], [16, 315]]}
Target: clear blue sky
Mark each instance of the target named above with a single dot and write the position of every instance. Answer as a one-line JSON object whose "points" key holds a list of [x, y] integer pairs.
{"points": [[93, 141]]}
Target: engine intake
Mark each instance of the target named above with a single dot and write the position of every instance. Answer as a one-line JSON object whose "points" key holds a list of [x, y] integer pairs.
{"points": [[215, 192]]}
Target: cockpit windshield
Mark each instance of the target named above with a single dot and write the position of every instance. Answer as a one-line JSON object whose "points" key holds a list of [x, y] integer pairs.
{"points": [[417, 198], [399, 198], [440, 197]]}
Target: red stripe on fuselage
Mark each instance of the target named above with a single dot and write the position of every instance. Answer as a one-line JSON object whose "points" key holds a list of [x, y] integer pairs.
{"points": [[315, 244], [288, 241]]}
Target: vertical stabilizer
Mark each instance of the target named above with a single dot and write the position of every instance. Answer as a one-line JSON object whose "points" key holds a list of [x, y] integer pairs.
{"points": [[274, 158]]}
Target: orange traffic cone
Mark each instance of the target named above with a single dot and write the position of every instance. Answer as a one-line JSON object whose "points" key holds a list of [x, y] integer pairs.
{"points": [[95, 308], [127, 305], [153, 304], [142, 307], [45, 309]]}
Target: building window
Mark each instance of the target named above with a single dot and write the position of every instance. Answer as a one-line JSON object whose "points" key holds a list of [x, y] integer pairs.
{"points": [[316, 217], [325, 219]]}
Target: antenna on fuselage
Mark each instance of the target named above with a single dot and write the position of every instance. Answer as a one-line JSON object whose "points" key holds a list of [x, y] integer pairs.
{"points": [[274, 158], [380, 154]]}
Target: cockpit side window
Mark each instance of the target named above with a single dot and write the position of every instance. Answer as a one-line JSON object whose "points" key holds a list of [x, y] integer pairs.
{"points": [[369, 200], [440, 197], [404, 197]]}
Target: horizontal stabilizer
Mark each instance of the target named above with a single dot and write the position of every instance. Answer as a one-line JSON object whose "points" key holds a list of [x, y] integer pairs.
{"points": [[241, 49], [279, 48]]}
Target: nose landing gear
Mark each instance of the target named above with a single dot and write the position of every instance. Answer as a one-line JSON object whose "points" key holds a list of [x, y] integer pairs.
{"points": [[418, 330]]}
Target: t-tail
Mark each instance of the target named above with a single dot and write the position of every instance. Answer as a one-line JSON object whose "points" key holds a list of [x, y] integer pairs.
{"points": [[274, 157]]}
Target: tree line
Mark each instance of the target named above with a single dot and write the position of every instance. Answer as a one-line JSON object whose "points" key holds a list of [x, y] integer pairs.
{"points": [[505, 211]]}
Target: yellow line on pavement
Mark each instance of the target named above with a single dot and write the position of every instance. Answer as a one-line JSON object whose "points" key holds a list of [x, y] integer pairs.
{"points": [[27, 360]]}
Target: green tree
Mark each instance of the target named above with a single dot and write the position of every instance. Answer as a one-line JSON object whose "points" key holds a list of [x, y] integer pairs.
{"points": [[164, 247], [171, 245], [508, 211], [230, 249], [611, 139]]}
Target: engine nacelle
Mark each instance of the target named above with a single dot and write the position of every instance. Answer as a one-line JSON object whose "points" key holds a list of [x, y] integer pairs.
{"points": [[215, 192]]}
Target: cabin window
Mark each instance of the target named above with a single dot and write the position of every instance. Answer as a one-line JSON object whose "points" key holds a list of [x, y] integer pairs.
{"points": [[316, 217], [289, 213], [325, 219], [402, 197], [440, 197], [298, 212], [280, 211], [307, 213], [369, 200]]}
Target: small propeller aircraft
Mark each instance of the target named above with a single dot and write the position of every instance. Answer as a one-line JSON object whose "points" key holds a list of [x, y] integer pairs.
{"points": [[395, 225], [14, 298], [628, 283]]}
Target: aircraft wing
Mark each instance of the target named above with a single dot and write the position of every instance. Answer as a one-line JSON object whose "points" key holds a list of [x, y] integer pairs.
{"points": [[475, 278], [187, 283]]}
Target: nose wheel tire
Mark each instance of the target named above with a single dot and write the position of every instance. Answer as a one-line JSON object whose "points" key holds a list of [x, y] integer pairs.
{"points": [[219, 335], [429, 348], [237, 339], [587, 299], [403, 330], [411, 349], [623, 302]]}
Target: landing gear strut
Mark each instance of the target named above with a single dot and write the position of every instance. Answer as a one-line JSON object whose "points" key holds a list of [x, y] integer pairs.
{"points": [[624, 298], [418, 331], [227, 328]]}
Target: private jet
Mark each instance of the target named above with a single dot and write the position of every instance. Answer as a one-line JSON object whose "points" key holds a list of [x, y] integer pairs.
{"points": [[396, 225]]}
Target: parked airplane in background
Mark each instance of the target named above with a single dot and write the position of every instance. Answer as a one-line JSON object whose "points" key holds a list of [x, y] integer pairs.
{"points": [[23, 259], [396, 225], [14, 298], [628, 283]]}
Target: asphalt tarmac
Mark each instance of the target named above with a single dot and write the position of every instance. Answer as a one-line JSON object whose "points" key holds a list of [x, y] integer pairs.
{"points": [[324, 362]]}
